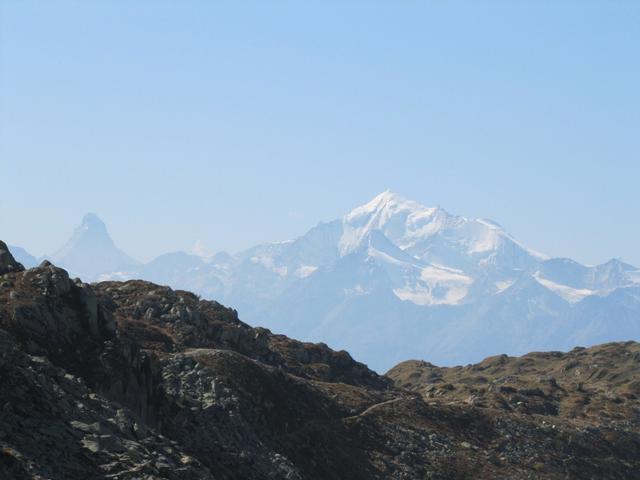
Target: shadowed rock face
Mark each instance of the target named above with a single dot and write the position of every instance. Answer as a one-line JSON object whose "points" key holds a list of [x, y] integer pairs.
{"points": [[7, 263], [134, 380]]}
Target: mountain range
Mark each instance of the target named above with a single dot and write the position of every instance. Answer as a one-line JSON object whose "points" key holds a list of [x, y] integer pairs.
{"points": [[133, 380], [393, 280]]}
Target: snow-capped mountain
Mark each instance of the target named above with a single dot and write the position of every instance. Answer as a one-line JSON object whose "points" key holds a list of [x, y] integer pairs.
{"points": [[393, 280], [90, 252]]}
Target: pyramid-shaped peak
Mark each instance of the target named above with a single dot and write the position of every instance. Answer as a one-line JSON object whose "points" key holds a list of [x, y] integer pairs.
{"points": [[91, 251], [91, 221]]}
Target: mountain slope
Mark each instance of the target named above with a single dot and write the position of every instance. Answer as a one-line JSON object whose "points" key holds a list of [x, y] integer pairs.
{"points": [[600, 383], [130, 380]]}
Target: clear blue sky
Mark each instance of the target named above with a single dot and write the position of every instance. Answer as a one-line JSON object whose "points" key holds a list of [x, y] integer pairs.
{"points": [[238, 122]]}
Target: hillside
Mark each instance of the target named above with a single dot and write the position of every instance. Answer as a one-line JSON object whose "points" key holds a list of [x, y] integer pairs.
{"points": [[589, 386], [132, 380]]}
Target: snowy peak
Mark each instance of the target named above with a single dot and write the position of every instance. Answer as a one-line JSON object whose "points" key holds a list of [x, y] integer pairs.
{"points": [[393, 215], [383, 207], [431, 234]]}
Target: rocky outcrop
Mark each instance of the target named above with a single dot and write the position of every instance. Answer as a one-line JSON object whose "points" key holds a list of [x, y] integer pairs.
{"points": [[8, 264], [161, 319], [137, 381], [53, 425]]}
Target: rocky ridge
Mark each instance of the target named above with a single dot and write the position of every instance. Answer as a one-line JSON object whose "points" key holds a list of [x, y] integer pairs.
{"points": [[137, 381]]}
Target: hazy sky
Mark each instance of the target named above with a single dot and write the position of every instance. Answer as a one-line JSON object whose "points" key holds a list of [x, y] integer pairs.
{"points": [[237, 122]]}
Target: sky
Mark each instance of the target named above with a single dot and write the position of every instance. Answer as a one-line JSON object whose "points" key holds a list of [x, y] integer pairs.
{"points": [[236, 123]]}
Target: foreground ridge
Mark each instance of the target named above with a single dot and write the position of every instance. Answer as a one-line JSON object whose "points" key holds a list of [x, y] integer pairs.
{"points": [[132, 380]]}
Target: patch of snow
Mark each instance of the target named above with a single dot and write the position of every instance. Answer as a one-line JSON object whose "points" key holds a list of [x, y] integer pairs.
{"points": [[386, 258], [634, 276], [437, 274], [534, 253], [269, 264], [357, 291], [571, 295], [488, 237], [504, 285], [305, 270], [437, 286], [284, 242], [199, 249]]}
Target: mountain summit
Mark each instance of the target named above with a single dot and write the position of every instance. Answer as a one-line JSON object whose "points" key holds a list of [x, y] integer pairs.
{"points": [[90, 252], [433, 235]]}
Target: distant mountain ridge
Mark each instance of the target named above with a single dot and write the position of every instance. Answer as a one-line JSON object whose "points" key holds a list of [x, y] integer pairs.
{"points": [[133, 380], [91, 252], [394, 279], [24, 257]]}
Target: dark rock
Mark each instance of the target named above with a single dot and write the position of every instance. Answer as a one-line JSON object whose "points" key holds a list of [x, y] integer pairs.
{"points": [[8, 264]]}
